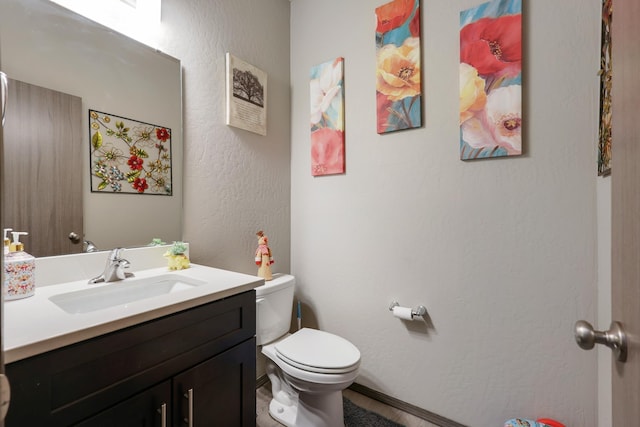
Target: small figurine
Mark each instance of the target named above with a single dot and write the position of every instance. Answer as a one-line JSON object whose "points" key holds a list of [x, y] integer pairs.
{"points": [[263, 257], [177, 257]]}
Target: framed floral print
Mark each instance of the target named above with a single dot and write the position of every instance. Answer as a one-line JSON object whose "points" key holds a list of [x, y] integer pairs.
{"points": [[129, 156]]}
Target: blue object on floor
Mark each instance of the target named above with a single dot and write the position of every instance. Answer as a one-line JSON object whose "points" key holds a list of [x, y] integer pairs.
{"points": [[523, 422]]}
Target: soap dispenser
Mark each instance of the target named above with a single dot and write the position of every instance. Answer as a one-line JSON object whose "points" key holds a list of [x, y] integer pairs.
{"points": [[19, 270], [7, 242]]}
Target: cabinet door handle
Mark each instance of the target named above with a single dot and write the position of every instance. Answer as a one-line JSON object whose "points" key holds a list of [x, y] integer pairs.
{"points": [[189, 396], [163, 415]]}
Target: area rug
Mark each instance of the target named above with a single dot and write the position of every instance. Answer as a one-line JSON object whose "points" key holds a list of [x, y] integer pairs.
{"points": [[355, 416]]}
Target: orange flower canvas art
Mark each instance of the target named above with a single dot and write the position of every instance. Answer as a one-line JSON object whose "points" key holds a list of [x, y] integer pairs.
{"points": [[491, 80], [398, 69], [327, 118]]}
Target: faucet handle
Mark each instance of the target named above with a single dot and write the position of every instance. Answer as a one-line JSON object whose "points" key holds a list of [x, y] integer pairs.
{"points": [[116, 254], [120, 265]]}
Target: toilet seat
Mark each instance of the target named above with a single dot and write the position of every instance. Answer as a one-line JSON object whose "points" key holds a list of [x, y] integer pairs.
{"points": [[319, 352]]}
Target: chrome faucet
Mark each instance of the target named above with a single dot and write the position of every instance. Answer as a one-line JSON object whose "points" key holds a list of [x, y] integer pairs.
{"points": [[90, 246], [114, 269]]}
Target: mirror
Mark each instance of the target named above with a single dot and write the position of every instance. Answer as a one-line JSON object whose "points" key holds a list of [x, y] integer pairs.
{"points": [[46, 45]]}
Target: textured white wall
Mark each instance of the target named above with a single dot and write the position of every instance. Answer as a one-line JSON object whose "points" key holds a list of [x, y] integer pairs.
{"points": [[501, 252], [235, 182]]}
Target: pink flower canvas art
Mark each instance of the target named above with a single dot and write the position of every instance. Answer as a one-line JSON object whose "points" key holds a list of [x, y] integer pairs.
{"points": [[491, 80], [398, 70], [327, 118]]}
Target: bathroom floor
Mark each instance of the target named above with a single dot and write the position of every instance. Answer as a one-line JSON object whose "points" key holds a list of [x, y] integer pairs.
{"points": [[263, 396]]}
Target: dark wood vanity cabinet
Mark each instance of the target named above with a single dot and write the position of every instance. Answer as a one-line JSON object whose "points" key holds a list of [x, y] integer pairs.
{"points": [[195, 366], [148, 408]]}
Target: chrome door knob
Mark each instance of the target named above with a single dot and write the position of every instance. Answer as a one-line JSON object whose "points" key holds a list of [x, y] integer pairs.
{"points": [[615, 338], [75, 238]]}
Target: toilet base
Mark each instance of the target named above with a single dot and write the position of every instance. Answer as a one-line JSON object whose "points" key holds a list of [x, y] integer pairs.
{"points": [[311, 409], [284, 414]]}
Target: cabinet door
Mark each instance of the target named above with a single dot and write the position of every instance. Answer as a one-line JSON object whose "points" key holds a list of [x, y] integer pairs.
{"points": [[151, 408], [220, 391]]}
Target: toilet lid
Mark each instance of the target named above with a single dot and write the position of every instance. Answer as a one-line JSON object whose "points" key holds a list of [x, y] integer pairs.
{"points": [[318, 351]]}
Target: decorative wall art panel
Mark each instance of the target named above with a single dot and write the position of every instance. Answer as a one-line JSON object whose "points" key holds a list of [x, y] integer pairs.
{"points": [[246, 96], [604, 139], [327, 118], [398, 67], [491, 80], [128, 156]]}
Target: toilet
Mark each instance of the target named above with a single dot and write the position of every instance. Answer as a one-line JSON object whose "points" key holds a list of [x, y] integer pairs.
{"points": [[308, 369]]}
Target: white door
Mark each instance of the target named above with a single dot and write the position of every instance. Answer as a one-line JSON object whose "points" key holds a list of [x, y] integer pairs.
{"points": [[624, 333], [625, 213]]}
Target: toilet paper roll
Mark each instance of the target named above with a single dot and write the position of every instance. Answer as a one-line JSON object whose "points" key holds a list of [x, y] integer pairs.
{"points": [[402, 313]]}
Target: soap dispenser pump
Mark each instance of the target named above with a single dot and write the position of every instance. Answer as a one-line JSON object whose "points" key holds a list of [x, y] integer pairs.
{"points": [[19, 270], [7, 242], [16, 245]]}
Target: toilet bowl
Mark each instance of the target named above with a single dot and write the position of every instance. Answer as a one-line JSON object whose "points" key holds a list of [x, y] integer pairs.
{"points": [[308, 369]]}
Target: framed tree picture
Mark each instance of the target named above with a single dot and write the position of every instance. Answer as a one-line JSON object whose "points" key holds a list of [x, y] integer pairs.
{"points": [[246, 96]]}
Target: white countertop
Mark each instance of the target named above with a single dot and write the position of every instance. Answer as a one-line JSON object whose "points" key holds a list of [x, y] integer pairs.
{"points": [[35, 324]]}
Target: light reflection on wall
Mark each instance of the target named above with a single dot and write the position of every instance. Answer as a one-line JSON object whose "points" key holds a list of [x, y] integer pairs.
{"points": [[138, 19]]}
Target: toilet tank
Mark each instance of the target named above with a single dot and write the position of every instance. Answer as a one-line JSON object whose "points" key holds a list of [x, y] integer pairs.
{"points": [[274, 307]]}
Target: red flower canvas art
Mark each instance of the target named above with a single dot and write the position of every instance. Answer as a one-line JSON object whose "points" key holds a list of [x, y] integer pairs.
{"points": [[491, 80]]}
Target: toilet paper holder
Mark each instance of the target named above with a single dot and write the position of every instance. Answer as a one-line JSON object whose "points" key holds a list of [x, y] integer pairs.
{"points": [[419, 311]]}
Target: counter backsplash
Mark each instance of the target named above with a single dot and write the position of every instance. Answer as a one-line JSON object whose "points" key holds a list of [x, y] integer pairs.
{"points": [[69, 268]]}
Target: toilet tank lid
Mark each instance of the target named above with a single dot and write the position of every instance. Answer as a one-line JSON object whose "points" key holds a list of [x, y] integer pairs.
{"points": [[319, 349], [279, 282]]}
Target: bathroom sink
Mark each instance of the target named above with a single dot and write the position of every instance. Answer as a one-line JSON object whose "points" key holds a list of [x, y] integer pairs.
{"points": [[122, 293]]}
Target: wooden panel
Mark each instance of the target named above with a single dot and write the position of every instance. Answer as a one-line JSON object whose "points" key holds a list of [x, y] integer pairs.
{"points": [[64, 386], [109, 360], [223, 389], [142, 410], [43, 154], [625, 182]]}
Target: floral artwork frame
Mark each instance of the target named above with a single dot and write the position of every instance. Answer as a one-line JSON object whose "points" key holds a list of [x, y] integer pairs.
{"points": [[604, 132], [326, 89], [491, 80], [129, 156], [246, 94], [398, 66]]}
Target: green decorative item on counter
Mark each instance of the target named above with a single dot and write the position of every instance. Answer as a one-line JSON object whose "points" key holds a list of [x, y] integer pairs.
{"points": [[156, 242], [177, 257]]}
